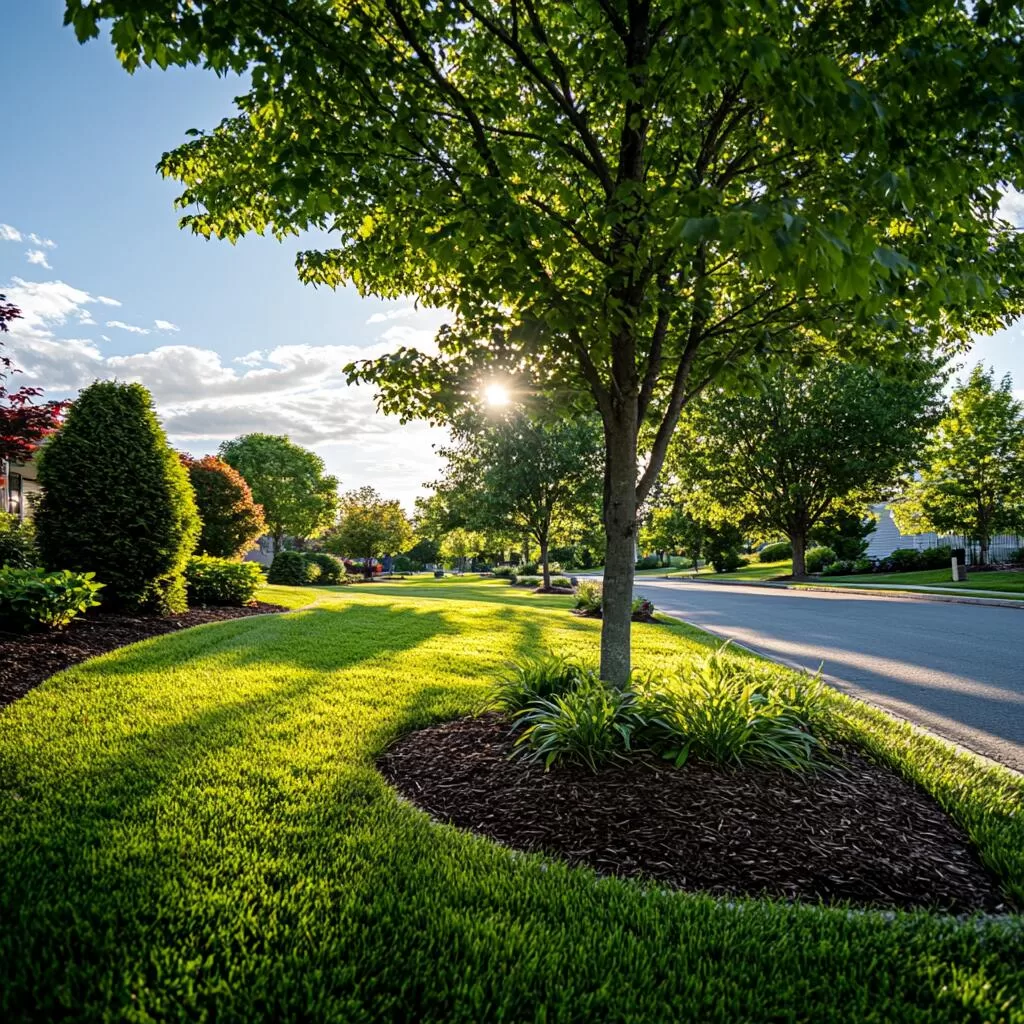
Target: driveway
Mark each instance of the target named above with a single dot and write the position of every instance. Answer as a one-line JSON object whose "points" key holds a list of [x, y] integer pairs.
{"points": [[956, 669]]}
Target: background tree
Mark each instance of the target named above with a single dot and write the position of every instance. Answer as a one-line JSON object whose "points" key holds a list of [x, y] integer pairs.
{"points": [[369, 527], [619, 201], [231, 521], [671, 528], [23, 423], [971, 478], [289, 483], [801, 445], [846, 531], [117, 500], [515, 475], [460, 546]]}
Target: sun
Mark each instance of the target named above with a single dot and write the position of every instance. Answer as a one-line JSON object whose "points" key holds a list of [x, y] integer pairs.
{"points": [[497, 395]]}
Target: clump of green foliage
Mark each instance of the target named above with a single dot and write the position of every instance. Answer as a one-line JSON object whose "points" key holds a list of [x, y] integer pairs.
{"points": [[292, 569], [35, 598], [331, 569], [845, 567], [221, 581], [589, 596], [718, 708], [525, 581], [775, 552], [817, 558], [17, 542], [539, 678], [117, 500]]}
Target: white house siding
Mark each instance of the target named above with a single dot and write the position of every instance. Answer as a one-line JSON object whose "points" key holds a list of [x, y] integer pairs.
{"points": [[887, 538]]}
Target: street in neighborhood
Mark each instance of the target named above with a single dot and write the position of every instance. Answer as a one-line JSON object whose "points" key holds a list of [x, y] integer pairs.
{"points": [[954, 668]]}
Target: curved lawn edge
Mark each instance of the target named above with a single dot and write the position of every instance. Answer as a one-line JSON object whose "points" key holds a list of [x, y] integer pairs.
{"points": [[194, 828]]}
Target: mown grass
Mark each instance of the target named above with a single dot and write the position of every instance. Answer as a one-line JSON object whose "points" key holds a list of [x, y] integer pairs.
{"points": [[193, 829], [1010, 582], [754, 571]]}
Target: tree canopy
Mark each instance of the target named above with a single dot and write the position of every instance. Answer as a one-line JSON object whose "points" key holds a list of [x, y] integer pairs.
{"points": [[971, 478], [528, 478], [288, 481], [369, 527], [801, 445], [23, 422], [620, 201], [232, 521]]}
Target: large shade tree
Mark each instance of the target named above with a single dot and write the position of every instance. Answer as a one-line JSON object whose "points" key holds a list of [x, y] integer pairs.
{"points": [[299, 499], [801, 445], [619, 200], [521, 476], [971, 478]]}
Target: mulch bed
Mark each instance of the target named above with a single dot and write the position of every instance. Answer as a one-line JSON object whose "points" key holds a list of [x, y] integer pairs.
{"points": [[584, 613], [553, 590], [855, 832], [26, 659]]}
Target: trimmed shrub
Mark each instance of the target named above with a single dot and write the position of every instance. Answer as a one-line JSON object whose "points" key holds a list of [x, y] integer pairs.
{"points": [[332, 570], [503, 572], [775, 552], [726, 560], [589, 596], [912, 560], [1015, 557], [815, 559], [17, 543], [32, 598], [117, 500], [846, 567], [290, 569], [649, 562], [210, 580], [403, 563], [231, 520], [642, 609], [561, 581], [526, 581]]}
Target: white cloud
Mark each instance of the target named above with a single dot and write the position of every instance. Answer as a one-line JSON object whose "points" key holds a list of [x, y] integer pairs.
{"points": [[105, 337], [121, 325], [85, 318], [106, 301], [1011, 207], [393, 314], [38, 257], [46, 243], [166, 325], [254, 358], [9, 234]]}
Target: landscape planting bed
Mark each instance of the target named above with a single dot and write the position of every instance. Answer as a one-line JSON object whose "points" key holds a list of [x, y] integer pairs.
{"points": [[855, 832], [26, 659]]}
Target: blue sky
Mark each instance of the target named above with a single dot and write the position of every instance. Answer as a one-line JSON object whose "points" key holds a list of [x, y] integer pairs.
{"points": [[224, 336]]}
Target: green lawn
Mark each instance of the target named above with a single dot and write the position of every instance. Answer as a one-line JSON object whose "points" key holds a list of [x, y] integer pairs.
{"points": [[193, 829], [753, 572], [1010, 582]]}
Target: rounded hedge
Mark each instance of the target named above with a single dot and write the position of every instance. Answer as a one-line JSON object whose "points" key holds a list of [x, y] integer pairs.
{"points": [[290, 569], [117, 501], [332, 569], [818, 558], [775, 552]]}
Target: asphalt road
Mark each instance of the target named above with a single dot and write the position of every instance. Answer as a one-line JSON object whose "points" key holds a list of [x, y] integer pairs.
{"points": [[956, 669]]}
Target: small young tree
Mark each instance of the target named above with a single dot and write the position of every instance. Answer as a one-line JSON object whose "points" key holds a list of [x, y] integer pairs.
{"points": [[971, 478], [289, 483], [515, 475], [23, 423], [801, 445], [117, 500], [670, 527], [369, 527], [232, 521]]}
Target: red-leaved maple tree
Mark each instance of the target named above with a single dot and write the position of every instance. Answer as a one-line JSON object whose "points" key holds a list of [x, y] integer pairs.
{"points": [[23, 423]]}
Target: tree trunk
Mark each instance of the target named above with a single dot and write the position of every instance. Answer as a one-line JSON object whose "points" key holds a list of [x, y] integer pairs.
{"points": [[544, 570], [620, 532], [799, 542], [278, 539], [983, 544]]}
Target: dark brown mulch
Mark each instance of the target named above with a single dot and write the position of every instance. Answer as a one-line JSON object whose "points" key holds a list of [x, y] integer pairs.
{"points": [[553, 590], [856, 832], [583, 613], [26, 659]]}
